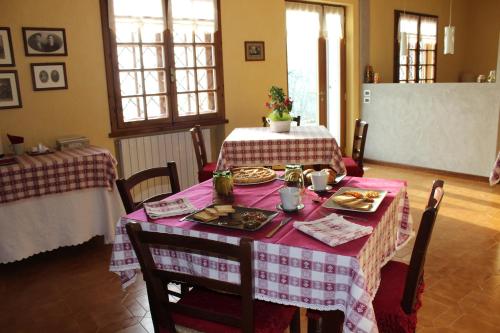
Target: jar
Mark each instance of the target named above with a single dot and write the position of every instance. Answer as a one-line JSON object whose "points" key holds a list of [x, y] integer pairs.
{"points": [[223, 186], [294, 177]]}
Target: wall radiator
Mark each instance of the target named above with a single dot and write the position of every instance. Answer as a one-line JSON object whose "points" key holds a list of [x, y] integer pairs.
{"points": [[139, 153]]}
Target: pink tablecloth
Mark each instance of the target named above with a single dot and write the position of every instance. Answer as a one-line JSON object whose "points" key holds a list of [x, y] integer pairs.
{"points": [[495, 173], [292, 267], [257, 146], [62, 171]]}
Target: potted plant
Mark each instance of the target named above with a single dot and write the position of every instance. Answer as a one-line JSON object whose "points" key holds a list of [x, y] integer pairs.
{"points": [[279, 119]]}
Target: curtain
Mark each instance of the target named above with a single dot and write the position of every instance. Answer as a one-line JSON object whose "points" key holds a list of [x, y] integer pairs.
{"points": [[428, 32], [333, 22], [408, 23]]}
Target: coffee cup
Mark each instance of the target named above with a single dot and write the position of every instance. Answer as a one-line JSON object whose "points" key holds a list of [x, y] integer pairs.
{"points": [[319, 180], [290, 198]]}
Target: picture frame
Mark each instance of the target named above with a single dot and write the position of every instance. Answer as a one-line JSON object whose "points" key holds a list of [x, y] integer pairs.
{"points": [[6, 50], [10, 95], [44, 42], [255, 51], [49, 76]]}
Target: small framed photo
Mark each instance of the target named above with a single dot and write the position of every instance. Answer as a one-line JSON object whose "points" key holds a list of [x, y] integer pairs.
{"points": [[10, 96], [49, 76], [254, 51], [6, 52], [45, 42]]}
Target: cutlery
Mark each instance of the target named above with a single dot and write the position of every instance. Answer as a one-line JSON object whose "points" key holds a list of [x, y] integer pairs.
{"points": [[278, 227]]}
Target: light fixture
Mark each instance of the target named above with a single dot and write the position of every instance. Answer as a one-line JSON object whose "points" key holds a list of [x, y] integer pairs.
{"points": [[449, 36]]}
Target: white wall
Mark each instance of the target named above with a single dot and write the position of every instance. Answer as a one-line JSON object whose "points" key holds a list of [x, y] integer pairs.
{"points": [[451, 127]]}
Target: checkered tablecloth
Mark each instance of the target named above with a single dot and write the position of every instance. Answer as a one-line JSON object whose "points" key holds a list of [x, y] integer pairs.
{"points": [[495, 173], [290, 268], [257, 146], [62, 171]]}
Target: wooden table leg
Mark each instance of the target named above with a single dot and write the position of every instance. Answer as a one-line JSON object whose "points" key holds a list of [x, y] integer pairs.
{"points": [[332, 321]]}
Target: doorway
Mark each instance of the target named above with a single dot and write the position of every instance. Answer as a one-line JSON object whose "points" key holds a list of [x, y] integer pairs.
{"points": [[316, 64]]}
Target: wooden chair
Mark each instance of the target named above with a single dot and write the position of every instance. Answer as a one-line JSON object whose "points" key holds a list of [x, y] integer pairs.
{"points": [[265, 124], [205, 169], [125, 186], [201, 308], [398, 297], [354, 164]]}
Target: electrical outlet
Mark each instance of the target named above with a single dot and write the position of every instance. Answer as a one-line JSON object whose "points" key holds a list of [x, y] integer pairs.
{"points": [[367, 100], [367, 93]]}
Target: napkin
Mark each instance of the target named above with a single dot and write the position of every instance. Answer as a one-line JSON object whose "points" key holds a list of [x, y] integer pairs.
{"points": [[15, 139], [166, 208], [333, 229]]}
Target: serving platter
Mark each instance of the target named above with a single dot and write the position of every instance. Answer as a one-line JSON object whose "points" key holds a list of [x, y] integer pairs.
{"points": [[37, 153], [330, 204], [237, 220]]}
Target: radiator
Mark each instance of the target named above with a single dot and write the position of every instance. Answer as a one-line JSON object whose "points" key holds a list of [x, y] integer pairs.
{"points": [[139, 153]]}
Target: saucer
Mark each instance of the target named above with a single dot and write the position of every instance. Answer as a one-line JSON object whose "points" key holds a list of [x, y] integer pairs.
{"points": [[327, 188], [299, 207]]}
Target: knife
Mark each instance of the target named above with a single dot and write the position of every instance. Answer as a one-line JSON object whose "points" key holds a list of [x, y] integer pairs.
{"points": [[278, 227]]}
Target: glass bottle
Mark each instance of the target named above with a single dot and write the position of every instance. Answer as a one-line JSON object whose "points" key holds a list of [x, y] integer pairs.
{"points": [[294, 177], [223, 186]]}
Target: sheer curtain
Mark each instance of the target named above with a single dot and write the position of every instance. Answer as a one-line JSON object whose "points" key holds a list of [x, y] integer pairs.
{"points": [[303, 26], [333, 31]]}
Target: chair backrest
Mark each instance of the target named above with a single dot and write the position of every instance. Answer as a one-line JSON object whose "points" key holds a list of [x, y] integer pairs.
{"points": [[358, 144], [265, 124], [199, 146], [157, 280], [125, 186], [416, 268]]}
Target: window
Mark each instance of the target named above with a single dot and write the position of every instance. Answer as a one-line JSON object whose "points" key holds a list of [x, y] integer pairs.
{"points": [[164, 71], [419, 66]]}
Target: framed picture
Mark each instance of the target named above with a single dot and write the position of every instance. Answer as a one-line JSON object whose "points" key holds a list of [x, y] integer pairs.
{"points": [[45, 42], [6, 52], [10, 97], [254, 51], [49, 76]]}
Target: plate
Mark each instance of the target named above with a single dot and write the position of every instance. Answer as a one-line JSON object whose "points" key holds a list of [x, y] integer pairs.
{"points": [[36, 153], [233, 220], [327, 188], [7, 161], [329, 203], [299, 207], [263, 182]]}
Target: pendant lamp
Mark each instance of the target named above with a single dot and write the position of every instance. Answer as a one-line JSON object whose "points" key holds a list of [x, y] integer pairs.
{"points": [[449, 36]]}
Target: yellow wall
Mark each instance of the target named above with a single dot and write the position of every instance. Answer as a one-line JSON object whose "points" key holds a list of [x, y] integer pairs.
{"points": [[476, 35], [83, 108]]}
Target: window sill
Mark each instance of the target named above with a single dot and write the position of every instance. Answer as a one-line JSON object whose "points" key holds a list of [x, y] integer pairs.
{"points": [[151, 130]]}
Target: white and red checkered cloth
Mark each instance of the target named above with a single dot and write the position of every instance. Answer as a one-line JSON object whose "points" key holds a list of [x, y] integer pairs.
{"points": [[62, 171], [291, 267], [168, 207], [257, 146], [333, 229], [495, 173]]}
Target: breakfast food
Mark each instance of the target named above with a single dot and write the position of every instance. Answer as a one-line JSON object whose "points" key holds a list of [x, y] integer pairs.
{"points": [[253, 216], [307, 175], [354, 194], [250, 175], [205, 216], [224, 209], [372, 194], [352, 202], [331, 175]]}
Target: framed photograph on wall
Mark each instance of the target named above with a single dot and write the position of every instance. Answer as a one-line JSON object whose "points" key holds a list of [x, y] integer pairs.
{"points": [[10, 96], [49, 76], [44, 42], [254, 51], [6, 52]]}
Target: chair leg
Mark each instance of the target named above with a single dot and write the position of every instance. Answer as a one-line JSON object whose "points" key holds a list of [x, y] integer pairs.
{"points": [[313, 325], [295, 324], [332, 321]]}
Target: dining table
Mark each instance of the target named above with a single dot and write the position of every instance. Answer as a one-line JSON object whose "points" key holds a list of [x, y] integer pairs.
{"points": [[495, 172], [290, 267], [55, 199], [255, 146]]}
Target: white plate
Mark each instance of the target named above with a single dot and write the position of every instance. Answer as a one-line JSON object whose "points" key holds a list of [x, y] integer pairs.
{"points": [[266, 181], [376, 201], [327, 188]]}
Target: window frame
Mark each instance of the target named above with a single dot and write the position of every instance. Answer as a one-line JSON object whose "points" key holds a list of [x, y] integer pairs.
{"points": [[397, 64], [173, 121]]}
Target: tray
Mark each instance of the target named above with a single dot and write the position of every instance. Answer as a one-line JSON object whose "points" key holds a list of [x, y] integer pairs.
{"points": [[233, 220], [332, 205]]}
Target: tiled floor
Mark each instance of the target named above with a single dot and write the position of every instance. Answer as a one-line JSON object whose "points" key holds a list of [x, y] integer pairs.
{"points": [[71, 290]]}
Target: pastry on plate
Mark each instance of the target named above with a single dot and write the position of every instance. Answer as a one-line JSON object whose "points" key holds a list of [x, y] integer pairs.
{"points": [[252, 175]]}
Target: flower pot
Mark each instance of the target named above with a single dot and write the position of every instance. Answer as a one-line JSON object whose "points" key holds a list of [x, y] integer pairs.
{"points": [[280, 126]]}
